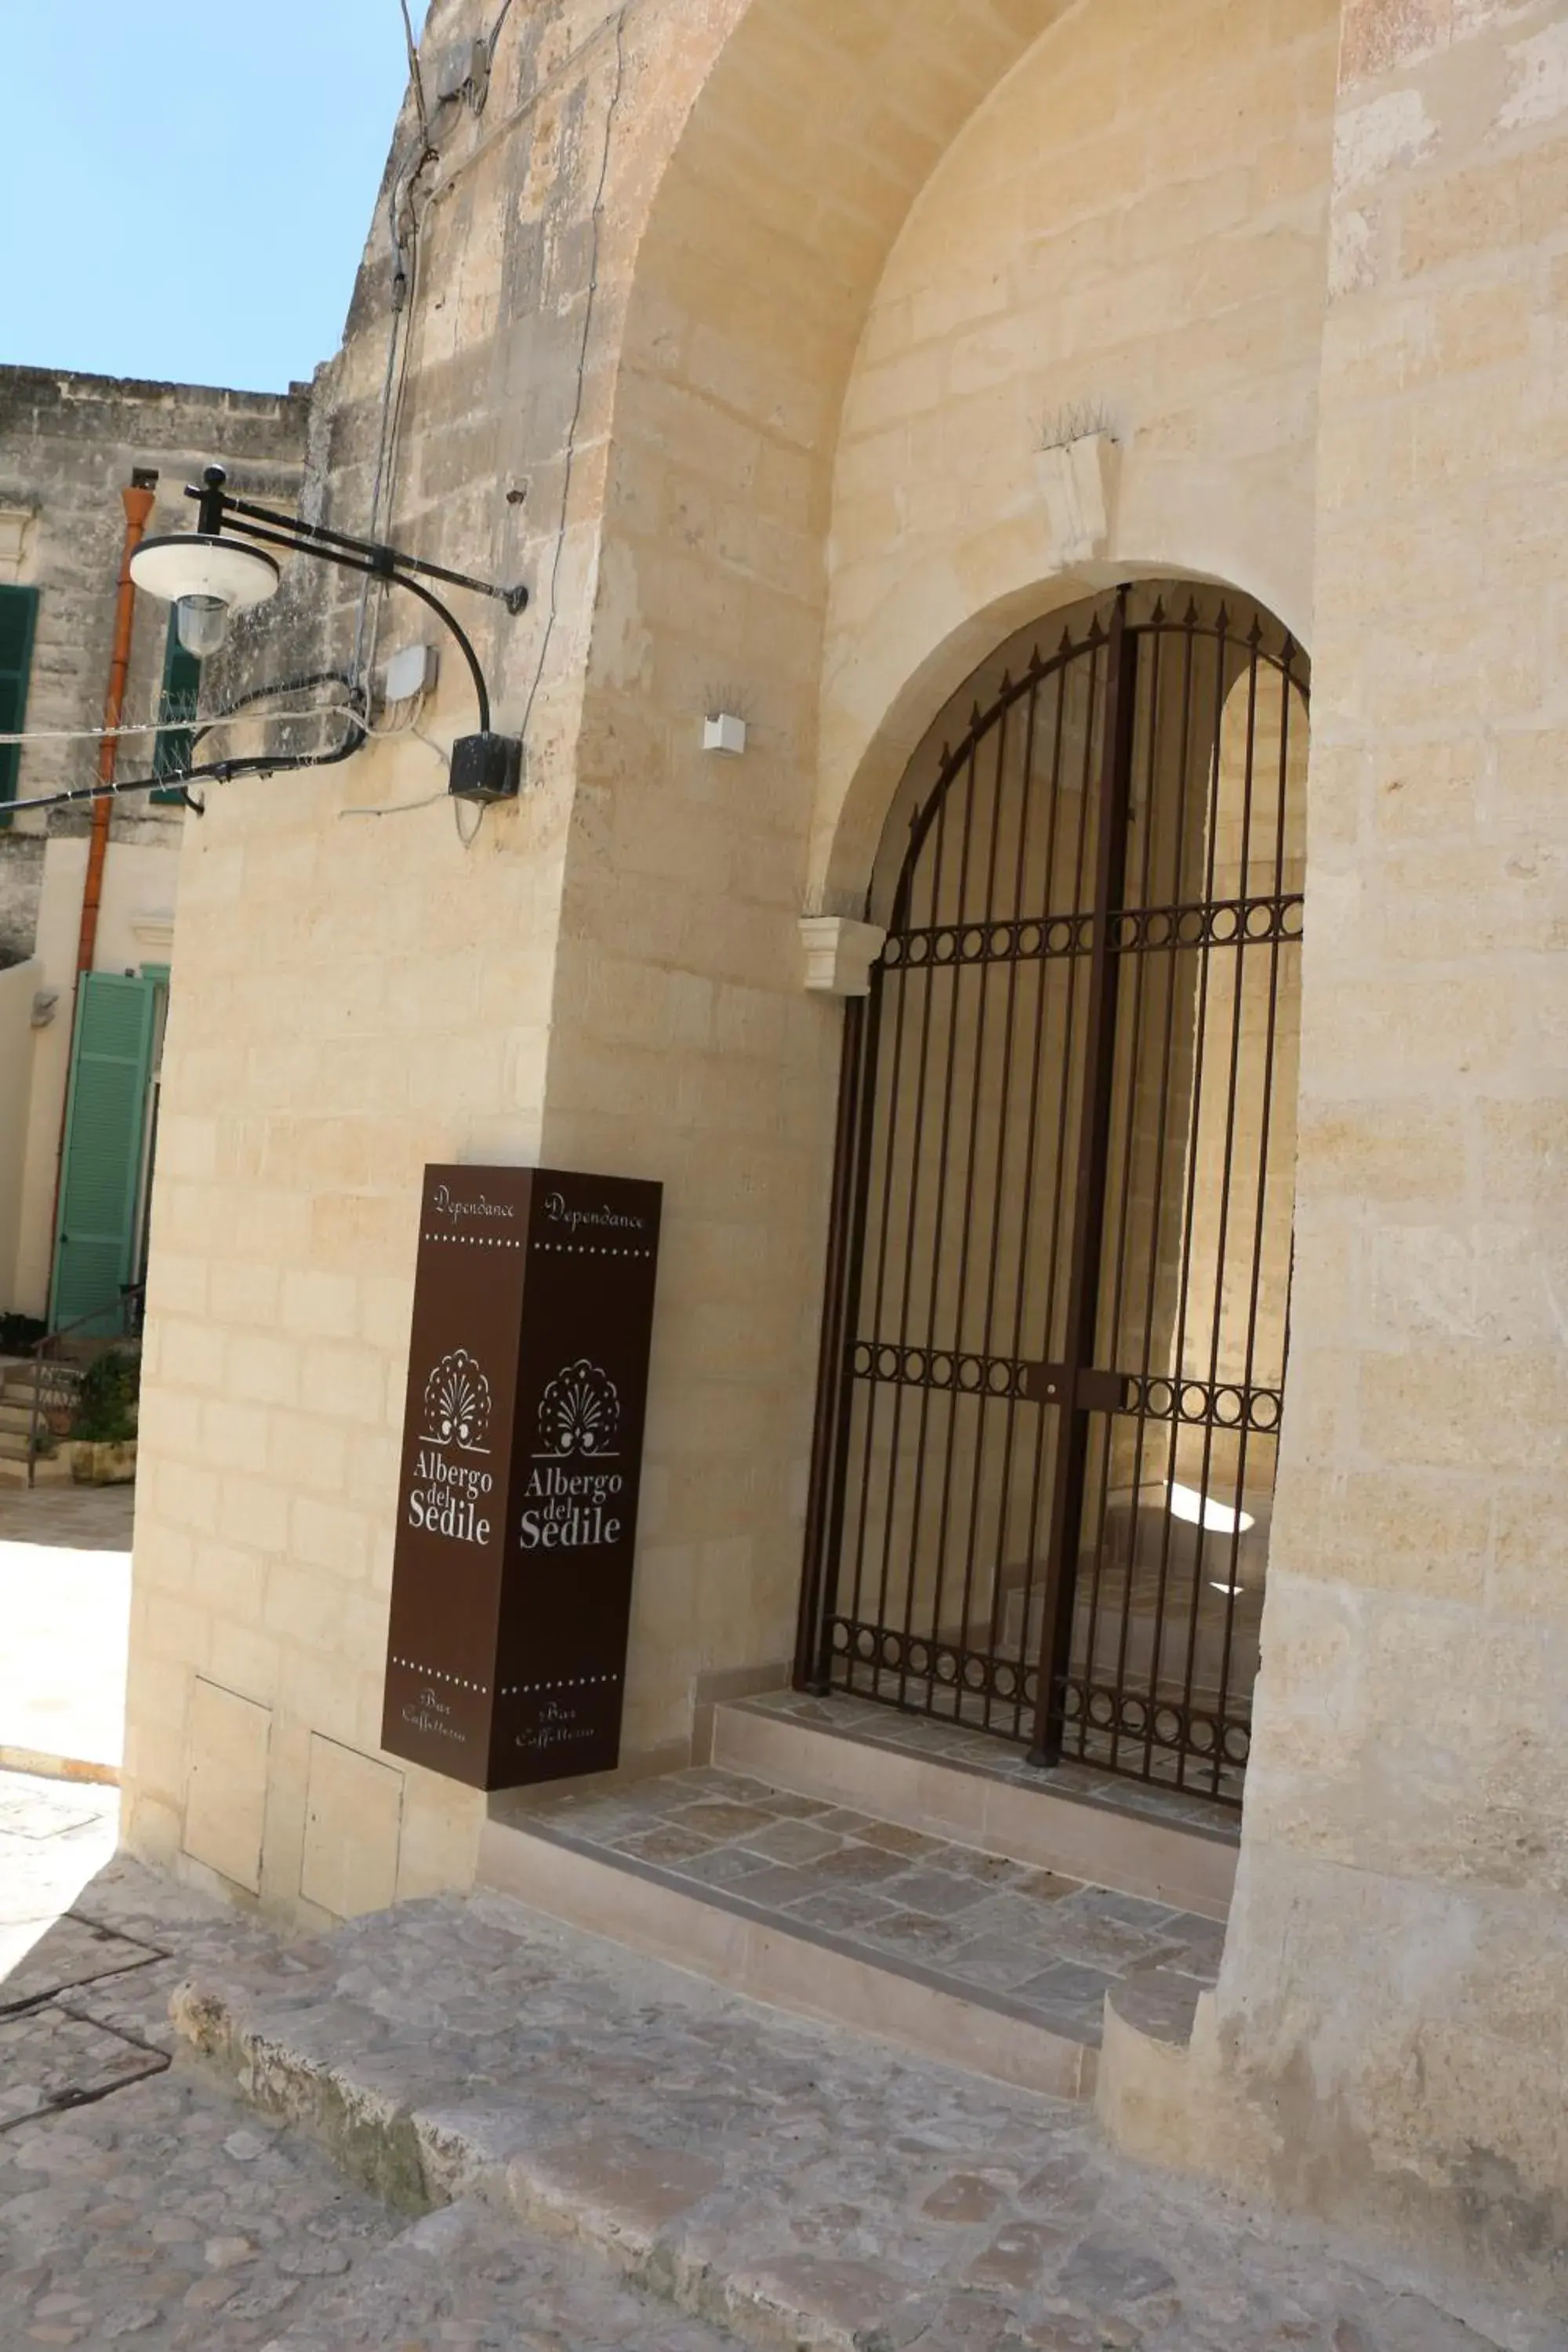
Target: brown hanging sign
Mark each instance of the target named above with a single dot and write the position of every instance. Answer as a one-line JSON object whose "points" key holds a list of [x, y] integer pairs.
{"points": [[516, 1499]]}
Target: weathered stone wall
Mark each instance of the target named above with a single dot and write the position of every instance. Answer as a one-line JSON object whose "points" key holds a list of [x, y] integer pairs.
{"points": [[640, 284], [690, 350], [1388, 2042], [376, 989], [68, 445]]}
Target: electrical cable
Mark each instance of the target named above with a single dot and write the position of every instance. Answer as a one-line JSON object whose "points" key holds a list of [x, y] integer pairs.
{"points": [[548, 629], [543, 89], [395, 808], [191, 725], [495, 30], [413, 72]]}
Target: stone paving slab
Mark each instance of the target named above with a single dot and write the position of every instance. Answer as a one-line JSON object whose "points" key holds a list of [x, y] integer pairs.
{"points": [[72, 1952], [1041, 1947], [50, 2059], [964, 1744], [789, 2181]]}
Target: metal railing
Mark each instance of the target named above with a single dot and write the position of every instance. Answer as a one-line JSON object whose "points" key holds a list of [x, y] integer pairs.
{"points": [[54, 1381]]}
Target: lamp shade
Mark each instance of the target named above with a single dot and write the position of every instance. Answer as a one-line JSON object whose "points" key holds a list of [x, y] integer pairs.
{"points": [[192, 565]]}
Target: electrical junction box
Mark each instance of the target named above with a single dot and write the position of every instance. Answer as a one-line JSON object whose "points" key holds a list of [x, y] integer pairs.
{"points": [[412, 671], [485, 768], [724, 732]]}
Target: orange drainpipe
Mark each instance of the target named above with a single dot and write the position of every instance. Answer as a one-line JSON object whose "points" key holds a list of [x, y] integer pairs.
{"points": [[137, 499]]}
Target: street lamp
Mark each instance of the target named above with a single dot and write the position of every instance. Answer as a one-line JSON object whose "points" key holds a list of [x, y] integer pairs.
{"points": [[221, 568]]}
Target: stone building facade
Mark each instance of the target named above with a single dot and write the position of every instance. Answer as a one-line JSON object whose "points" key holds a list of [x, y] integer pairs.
{"points": [[68, 445], [801, 356]]}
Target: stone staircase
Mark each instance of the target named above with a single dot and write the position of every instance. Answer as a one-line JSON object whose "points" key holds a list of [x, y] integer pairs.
{"points": [[776, 2180], [909, 1879], [19, 1377]]}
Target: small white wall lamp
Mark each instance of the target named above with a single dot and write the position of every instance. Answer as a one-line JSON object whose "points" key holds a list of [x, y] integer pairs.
{"points": [[724, 732]]}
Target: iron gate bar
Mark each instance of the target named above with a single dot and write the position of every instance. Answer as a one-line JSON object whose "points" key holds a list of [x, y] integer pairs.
{"points": [[826, 1451], [1031, 706], [1224, 1404], [1037, 1064], [966, 843], [1099, 642], [1094, 1144], [966, 1230], [1258, 1238], [1083, 1396], [1232, 1085], [1226, 922], [1216, 737]]}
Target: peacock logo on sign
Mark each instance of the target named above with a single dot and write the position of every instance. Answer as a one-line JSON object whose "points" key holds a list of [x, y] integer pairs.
{"points": [[570, 1503], [448, 1495], [579, 1414], [457, 1404]]}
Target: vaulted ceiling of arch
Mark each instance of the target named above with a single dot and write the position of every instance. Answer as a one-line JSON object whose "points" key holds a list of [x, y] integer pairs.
{"points": [[817, 127]]}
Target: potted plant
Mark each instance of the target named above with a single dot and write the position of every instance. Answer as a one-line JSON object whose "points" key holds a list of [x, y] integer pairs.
{"points": [[104, 1421]]}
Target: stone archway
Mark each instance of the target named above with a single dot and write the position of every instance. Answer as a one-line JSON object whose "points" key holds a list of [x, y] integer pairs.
{"points": [[1056, 1325]]}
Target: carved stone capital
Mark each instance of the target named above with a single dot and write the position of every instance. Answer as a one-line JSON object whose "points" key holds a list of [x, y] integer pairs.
{"points": [[839, 953]]}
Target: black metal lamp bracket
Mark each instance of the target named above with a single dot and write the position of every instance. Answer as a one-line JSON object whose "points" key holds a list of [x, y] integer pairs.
{"points": [[485, 766]]}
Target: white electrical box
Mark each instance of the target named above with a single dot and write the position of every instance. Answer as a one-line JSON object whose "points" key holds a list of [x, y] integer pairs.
{"points": [[725, 734], [411, 671]]}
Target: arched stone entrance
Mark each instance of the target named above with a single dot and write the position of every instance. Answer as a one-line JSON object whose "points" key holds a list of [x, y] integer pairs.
{"points": [[1055, 1336]]}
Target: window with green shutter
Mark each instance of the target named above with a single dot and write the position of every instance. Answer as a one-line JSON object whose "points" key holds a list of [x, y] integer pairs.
{"points": [[173, 747], [18, 619], [105, 1140]]}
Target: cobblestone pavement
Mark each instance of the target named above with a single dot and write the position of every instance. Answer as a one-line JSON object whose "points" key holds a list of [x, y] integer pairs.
{"points": [[1035, 1945], [788, 2180], [65, 1605], [639, 2162], [72, 1518], [144, 2203]]}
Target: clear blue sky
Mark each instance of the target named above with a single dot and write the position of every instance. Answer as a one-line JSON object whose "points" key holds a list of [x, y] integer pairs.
{"points": [[192, 181]]}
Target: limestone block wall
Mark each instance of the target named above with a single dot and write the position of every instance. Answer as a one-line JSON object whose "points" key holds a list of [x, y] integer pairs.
{"points": [[1394, 2001], [783, 474], [1130, 232], [69, 444], [635, 285], [367, 981]]}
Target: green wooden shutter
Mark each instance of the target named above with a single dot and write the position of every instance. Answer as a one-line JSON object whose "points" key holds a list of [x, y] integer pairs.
{"points": [[174, 748], [18, 618], [105, 1125]]}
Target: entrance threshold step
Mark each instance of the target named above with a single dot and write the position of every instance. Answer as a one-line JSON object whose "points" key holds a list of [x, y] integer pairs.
{"points": [[948, 1780], [767, 2176], [964, 1957]]}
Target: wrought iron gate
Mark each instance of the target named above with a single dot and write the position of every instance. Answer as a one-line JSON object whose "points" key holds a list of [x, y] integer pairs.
{"points": [[1054, 1340]]}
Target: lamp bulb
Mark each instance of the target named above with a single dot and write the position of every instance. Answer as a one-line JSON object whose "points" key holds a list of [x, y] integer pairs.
{"points": [[202, 622]]}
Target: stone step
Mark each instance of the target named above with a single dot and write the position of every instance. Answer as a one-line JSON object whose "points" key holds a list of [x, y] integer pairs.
{"points": [[49, 1470], [15, 1414], [792, 2183], [19, 1387], [466, 2274], [944, 1780], [964, 1957]]}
